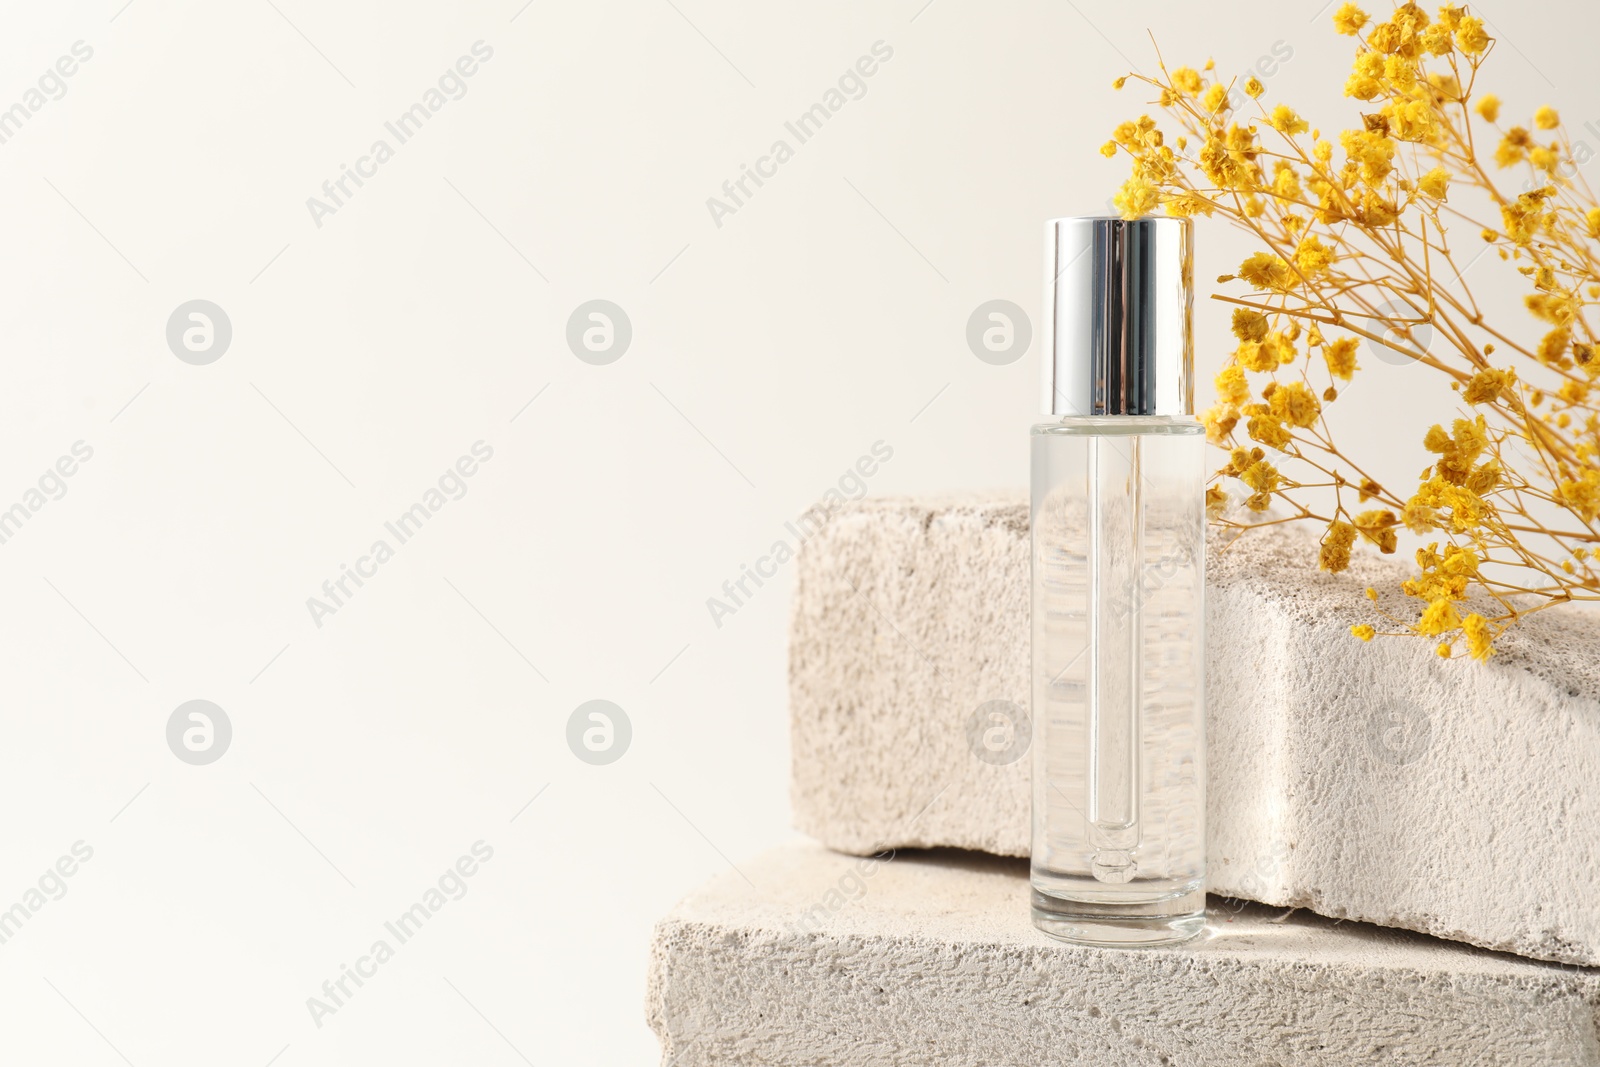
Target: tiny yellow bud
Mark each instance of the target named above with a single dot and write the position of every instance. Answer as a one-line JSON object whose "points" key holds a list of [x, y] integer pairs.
{"points": [[1363, 631], [1443, 650], [1372, 594], [1489, 107], [1120, 82]]}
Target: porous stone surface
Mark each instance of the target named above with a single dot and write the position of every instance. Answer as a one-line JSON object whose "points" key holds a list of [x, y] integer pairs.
{"points": [[825, 960], [1366, 781]]}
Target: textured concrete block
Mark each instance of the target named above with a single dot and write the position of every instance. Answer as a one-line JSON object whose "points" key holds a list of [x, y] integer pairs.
{"points": [[1364, 781], [930, 958]]}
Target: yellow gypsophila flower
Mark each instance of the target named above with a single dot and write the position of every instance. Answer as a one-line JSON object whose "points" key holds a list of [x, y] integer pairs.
{"points": [[1280, 344], [1286, 184], [1513, 147], [1435, 183], [1476, 627], [1487, 385], [1219, 421], [1253, 355], [1187, 81], [1366, 78], [1378, 527], [1232, 388], [1489, 107], [1267, 271], [1470, 35], [1371, 149], [1286, 122], [1136, 198], [1249, 325], [1341, 358], [1267, 428], [1414, 120], [1439, 617], [1349, 19], [1260, 476], [1312, 256], [1457, 450], [1335, 553], [1292, 403], [1581, 494], [1524, 216]]}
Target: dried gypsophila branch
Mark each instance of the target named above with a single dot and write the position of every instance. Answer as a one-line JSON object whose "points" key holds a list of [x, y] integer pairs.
{"points": [[1515, 493]]}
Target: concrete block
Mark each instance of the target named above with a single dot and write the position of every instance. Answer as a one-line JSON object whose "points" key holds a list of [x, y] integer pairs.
{"points": [[1364, 781], [930, 959]]}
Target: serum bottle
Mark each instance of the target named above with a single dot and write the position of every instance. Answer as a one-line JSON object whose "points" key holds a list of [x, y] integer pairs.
{"points": [[1118, 519]]}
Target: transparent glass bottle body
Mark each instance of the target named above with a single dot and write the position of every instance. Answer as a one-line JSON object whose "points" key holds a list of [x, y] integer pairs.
{"points": [[1118, 517]]}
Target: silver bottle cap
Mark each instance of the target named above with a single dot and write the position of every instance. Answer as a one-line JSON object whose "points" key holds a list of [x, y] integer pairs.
{"points": [[1118, 312]]}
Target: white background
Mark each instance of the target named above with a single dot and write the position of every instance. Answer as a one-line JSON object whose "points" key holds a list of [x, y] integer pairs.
{"points": [[768, 354]]}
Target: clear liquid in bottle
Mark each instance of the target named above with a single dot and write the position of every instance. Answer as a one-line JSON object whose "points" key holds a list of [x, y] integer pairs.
{"points": [[1118, 685]]}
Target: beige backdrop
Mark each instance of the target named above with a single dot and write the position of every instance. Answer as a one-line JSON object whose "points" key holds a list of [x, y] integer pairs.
{"points": [[781, 345]]}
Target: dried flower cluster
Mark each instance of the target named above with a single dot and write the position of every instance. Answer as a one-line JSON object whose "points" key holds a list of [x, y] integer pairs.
{"points": [[1356, 234]]}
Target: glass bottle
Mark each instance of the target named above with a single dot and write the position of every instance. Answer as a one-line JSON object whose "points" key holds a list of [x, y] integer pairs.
{"points": [[1118, 520]]}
